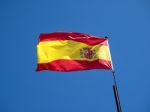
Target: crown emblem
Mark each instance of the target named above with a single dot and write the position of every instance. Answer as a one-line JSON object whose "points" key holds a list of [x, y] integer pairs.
{"points": [[87, 53]]}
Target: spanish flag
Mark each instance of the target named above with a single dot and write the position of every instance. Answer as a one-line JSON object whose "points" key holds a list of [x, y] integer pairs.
{"points": [[72, 51]]}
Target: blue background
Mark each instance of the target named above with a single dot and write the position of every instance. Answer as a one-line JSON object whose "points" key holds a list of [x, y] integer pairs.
{"points": [[125, 22]]}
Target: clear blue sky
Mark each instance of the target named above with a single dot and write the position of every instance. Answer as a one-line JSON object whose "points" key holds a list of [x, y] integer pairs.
{"points": [[125, 22]]}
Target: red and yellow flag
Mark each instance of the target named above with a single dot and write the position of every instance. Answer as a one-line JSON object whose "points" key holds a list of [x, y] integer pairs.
{"points": [[72, 51]]}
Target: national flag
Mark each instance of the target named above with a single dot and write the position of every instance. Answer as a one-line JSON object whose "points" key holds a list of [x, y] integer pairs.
{"points": [[72, 51]]}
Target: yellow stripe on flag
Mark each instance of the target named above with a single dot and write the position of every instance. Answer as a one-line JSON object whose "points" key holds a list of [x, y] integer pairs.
{"points": [[49, 51]]}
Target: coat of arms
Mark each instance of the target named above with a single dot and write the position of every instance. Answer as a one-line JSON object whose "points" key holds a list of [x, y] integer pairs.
{"points": [[87, 53]]}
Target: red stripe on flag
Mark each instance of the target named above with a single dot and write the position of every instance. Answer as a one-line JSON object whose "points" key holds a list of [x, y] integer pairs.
{"points": [[79, 37], [74, 65]]}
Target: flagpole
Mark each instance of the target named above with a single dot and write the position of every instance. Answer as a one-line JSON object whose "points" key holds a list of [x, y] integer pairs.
{"points": [[115, 89], [116, 94]]}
